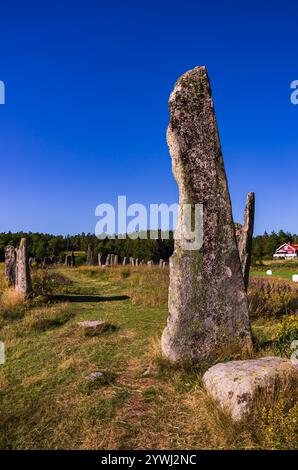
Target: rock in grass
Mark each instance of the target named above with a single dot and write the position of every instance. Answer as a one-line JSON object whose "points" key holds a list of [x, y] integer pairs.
{"points": [[237, 385], [98, 379], [208, 307], [95, 327]]}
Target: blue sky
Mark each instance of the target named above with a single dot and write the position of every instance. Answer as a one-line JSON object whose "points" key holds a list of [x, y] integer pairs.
{"points": [[87, 85]]}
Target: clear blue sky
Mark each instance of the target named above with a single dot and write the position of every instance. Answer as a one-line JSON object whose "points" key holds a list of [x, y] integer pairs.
{"points": [[87, 85]]}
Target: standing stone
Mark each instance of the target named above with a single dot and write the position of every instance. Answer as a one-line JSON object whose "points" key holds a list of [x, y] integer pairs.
{"points": [[150, 263], [89, 257], [208, 308], [99, 257], [10, 264], [23, 279], [160, 263], [116, 258], [132, 261], [244, 234], [124, 261], [137, 262], [108, 258]]}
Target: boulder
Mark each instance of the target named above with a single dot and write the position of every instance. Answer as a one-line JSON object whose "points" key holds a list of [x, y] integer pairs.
{"points": [[236, 385]]}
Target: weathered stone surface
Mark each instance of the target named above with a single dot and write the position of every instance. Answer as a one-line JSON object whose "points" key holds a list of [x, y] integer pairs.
{"points": [[244, 234], [236, 385], [95, 327], [23, 278], [10, 264], [208, 308], [124, 262]]}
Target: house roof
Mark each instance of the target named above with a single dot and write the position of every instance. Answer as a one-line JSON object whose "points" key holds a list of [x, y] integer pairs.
{"points": [[287, 247]]}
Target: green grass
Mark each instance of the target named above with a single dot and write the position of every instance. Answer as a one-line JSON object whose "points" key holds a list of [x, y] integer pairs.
{"points": [[277, 273], [46, 403]]}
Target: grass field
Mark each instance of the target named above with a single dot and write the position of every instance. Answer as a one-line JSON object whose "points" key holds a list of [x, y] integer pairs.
{"points": [[277, 273], [46, 402]]}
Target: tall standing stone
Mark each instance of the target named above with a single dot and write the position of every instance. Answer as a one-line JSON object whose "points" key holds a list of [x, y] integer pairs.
{"points": [[208, 308], [124, 261], [23, 278], [10, 265], [89, 257], [108, 258], [244, 234], [99, 257]]}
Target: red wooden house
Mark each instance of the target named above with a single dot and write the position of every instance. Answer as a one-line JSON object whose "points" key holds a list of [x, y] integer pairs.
{"points": [[287, 250]]}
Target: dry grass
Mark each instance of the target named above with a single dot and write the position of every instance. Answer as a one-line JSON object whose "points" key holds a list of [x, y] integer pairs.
{"points": [[271, 297], [12, 303]]}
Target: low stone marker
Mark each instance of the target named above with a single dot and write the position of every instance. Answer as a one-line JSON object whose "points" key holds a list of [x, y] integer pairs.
{"points": [[295, 278], [237, 385], [95, 327], [23, 278], [10, 264], [150, 263], [269, 272]]}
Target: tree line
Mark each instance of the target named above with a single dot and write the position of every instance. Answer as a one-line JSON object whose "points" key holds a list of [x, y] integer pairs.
{"points": [[41, 245]]}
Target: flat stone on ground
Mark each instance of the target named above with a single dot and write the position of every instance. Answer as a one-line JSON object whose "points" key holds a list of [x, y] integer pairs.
{"points": [[94, 327], [235, 385]]}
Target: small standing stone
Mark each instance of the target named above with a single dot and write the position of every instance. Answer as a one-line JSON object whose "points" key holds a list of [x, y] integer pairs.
{"points": [[99, 256], [10, 265], [116, 258], [23, 278], [124, 261], [161, 263], [244, 234], [89, 257], [150, 263], [108, 258]]}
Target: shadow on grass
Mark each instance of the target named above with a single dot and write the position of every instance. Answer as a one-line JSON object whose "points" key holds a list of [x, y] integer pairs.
{"points": [[87, 298]]}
